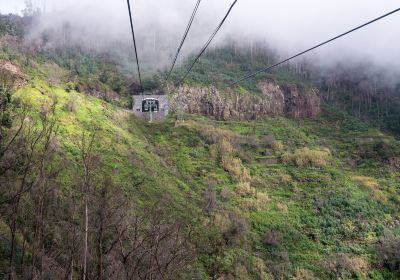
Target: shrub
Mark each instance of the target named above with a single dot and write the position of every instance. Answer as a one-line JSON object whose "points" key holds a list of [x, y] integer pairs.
{"points": [[281, 265], [233, 226], [235, 168], [70, 105], [371, 184], [227, 194], [211, 134], [268, 140], [244, 188], [305, 156], [258, 202], [388, 250], [221, 221], [272, 143], [210, 198], [282, 207], [304, 274], [225, 147], [261, 269], [365, 181], [277, 146], [70, 86], [272, 238], [345, 266], [283, 178], [261, 200]]}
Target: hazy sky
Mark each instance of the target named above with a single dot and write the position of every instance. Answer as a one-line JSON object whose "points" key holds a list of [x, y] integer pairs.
{"points": [[288, 25]]}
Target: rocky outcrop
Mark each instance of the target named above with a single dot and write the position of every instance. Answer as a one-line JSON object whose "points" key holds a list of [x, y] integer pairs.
{"points": [[300, 103], [14, 71], [290, 100]]}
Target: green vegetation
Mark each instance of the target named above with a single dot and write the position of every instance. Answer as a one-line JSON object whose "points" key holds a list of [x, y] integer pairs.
{"points": [[277, 198], [307, 212]]}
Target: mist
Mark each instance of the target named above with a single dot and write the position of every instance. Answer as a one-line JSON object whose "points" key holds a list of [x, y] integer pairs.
{"points": [[288, 26]]}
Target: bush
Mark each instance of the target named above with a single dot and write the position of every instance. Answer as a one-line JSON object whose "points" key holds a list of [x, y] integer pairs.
{"points": [[258, 202], [226, 194], [305, 156], [345, 266], [260, 268], [272, 238], [70, 86], [232, 225], [237, 230], [371, 184], [235, 168], [304, 274], [281, 265], [388, 250], [282, 207], [244, 188], [70, 105], [268, 140], [277, 146]]}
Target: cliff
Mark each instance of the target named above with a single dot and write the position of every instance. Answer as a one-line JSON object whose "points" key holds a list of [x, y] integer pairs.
{"points": [[289, 100]]}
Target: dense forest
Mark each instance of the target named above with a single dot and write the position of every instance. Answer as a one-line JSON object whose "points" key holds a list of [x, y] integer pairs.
{"points": [[306, 186]]}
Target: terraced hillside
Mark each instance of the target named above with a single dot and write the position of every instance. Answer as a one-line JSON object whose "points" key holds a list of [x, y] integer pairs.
{"points": [[262, 181], [268, 199]]}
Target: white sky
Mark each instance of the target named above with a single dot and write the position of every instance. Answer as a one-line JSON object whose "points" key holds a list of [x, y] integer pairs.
{"points": [[15, 6], [10, 6], [289, 25]]}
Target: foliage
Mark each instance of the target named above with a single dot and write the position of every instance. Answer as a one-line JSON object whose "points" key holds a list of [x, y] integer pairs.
{"points": [[204, 199], [306, 156], [388, 249]]}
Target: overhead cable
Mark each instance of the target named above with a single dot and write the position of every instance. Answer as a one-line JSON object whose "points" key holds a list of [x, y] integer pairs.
{"points": [[134, 44], [184, 37], [203, 49], [313, 48]]}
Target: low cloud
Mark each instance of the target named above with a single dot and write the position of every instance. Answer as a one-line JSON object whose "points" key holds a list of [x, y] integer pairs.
{"points": [[287, 25]]}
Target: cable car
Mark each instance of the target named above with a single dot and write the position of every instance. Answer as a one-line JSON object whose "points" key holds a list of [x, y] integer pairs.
{"points": [[150, 105]]}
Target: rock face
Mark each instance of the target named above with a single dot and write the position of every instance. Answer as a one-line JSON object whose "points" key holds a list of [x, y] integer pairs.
{"points": [[290, 100], [301, 104], [14, 71]]}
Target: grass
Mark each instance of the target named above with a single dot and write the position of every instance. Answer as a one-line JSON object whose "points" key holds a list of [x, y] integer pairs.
{"points": [[321, 201], [318, 207], [316, 201]]}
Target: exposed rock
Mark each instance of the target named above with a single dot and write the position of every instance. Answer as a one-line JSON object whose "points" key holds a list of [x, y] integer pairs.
{"points": [[393, 163], [300, 103], [15, 71], [275, 101]]}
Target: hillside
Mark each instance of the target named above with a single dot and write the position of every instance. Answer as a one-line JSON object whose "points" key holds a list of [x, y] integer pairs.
{"points": [[300, 190]]}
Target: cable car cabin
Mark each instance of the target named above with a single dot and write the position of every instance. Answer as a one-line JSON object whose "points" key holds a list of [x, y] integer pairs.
{"points": [[150, 104], [155, 107]]}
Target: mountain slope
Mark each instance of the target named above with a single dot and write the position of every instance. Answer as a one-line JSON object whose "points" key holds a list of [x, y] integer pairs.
{"points": [[259, 196], [269, 198]]}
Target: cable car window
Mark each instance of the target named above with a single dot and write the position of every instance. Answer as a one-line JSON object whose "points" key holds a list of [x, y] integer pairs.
{"points": [[152, 105]]}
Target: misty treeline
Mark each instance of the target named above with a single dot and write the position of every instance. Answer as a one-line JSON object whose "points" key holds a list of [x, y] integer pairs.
{"points": [[365, 93], [81, 225], [362, 89]]}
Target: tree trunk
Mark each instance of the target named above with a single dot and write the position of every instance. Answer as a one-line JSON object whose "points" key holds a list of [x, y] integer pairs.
{"points": [[85, 253]]}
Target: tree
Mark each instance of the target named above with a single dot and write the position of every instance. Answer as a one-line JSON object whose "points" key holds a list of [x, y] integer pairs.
{"points": [[88, 160], [154, 246], [23, 162], [6, 84]]}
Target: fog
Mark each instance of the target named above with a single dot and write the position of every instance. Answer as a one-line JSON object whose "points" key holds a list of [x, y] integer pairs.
{"points": [[286, 25]]}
